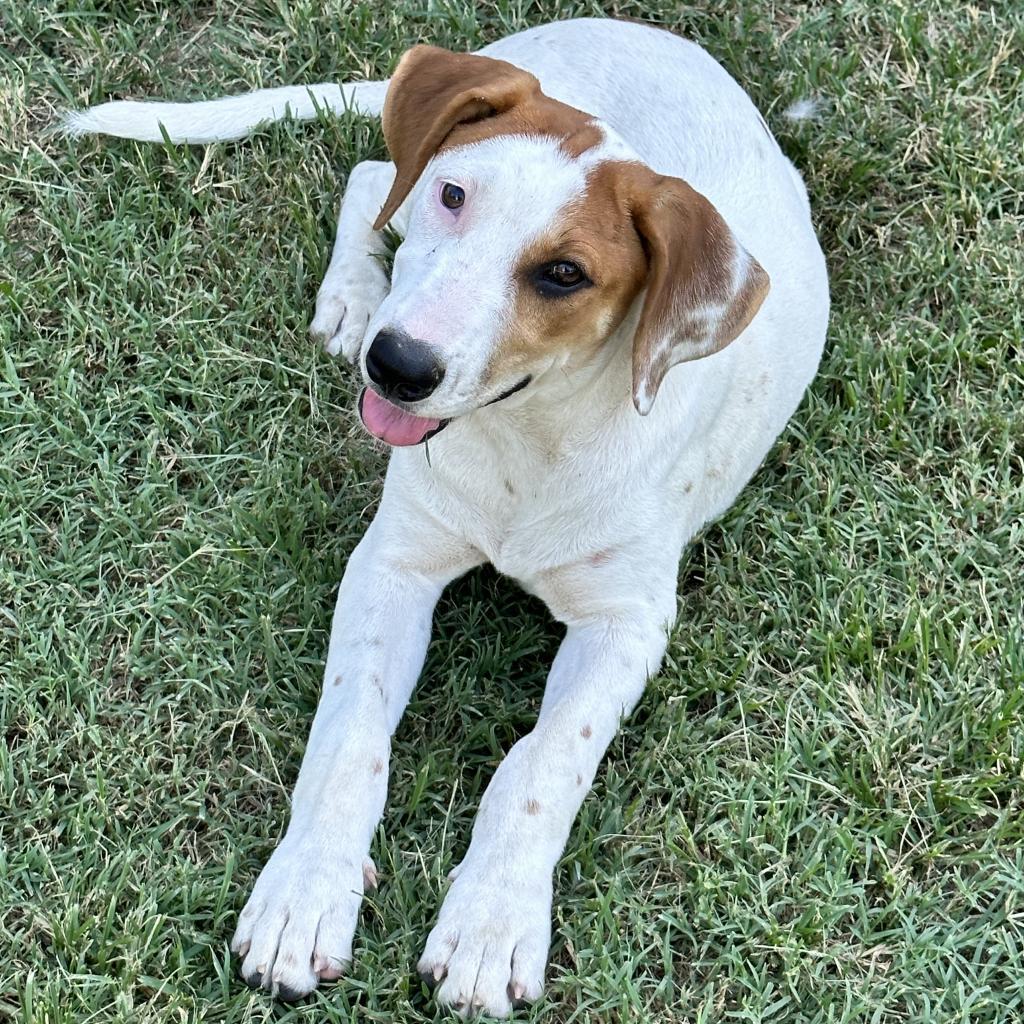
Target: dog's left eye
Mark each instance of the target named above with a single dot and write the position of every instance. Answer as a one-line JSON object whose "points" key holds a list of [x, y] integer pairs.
{"points": [[560, 278], [452, 196]]}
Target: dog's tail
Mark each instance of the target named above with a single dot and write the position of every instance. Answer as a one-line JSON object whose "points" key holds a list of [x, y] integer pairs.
{"points": [[221, 120]]}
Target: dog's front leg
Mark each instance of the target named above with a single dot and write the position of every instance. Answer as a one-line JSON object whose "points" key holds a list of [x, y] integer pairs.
{"points": [[490, 943], [356, 282], [298, 924]]}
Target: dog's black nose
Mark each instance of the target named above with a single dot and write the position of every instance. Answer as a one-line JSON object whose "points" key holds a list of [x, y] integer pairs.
{"points": [[402, 367]]}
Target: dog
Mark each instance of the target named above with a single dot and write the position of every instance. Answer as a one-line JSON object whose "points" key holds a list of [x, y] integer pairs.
{"points": [[583, 206]]}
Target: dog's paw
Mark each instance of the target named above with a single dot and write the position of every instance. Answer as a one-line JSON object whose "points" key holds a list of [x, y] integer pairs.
{"points": [[488, 950], [296, 929], [347, 299]]}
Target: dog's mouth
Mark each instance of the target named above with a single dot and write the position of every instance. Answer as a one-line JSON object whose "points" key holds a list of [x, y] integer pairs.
{"points": [[394, 425], [399, 428]]}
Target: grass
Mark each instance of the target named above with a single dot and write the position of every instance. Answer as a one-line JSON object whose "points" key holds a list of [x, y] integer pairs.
{"points": [[814, 816]]}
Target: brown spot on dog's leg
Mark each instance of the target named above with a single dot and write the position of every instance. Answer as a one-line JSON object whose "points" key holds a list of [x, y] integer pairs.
{"points": [[378, 766], [509, 487], [532, 807], [369, 875], [337, 680], [586, 732], [579, 780]]}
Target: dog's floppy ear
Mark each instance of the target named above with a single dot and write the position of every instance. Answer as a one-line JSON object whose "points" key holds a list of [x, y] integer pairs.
{"points": [[703, 287], [432, 91]]}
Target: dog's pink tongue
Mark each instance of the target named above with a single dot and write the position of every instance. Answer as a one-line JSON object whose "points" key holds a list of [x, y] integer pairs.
{"points": [[391, 424]]}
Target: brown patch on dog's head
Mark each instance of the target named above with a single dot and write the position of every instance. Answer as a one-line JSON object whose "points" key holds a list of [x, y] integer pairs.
{"points": [[596, 233], [634, 229], [438, 99]]}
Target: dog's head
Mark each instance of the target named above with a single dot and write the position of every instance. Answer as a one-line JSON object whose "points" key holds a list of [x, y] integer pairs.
{"points": [[532, 231]]}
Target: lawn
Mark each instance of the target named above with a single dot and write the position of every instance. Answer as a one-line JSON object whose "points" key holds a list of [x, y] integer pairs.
{"points": [[815, 814]]}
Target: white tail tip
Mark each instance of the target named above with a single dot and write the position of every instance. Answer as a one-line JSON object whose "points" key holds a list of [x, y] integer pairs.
{"points": [[124, 118], [76, 123]]}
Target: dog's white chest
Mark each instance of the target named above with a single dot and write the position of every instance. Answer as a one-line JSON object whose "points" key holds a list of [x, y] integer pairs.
{"points": [[522, 506]]}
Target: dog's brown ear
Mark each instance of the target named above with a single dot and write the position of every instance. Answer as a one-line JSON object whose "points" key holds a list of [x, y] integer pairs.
{"points": [[703, 287], [432, 91]]}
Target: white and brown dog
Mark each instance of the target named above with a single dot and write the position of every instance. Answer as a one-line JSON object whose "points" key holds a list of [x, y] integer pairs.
{"points": [[583, 206]]}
